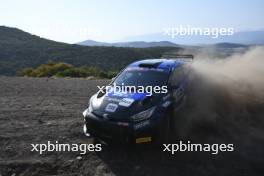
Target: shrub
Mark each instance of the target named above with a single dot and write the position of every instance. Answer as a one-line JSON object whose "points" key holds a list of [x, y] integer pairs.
{"points": [[65, 70]]}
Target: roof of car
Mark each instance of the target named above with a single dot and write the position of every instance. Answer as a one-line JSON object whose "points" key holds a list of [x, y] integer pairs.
{"points": [[163, 64]]}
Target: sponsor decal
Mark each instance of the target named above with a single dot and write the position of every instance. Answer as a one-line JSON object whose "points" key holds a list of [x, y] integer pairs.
{"points": [[113, 99], [166, 104], [126, 102]]}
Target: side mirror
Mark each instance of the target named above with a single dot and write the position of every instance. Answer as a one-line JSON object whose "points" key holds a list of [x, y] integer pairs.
{"points": [[113, 78]]}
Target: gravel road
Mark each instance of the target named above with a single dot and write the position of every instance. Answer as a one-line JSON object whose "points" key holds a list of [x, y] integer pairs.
{"points": [[37, 110]]}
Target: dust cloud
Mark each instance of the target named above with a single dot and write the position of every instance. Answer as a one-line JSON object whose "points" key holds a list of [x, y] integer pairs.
{"points": [[225, 101], [242, 75]]}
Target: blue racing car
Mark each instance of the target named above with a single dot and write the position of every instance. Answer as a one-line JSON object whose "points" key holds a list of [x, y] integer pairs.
{"points": [[139, 103]]}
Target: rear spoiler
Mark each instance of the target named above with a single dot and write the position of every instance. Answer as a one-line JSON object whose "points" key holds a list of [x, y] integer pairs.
{"points": [[179, 57]]}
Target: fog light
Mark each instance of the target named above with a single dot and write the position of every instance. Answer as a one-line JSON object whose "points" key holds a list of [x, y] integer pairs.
{"points": [[85, 131]]}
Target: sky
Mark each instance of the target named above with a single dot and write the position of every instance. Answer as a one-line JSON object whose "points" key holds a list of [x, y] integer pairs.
{"points": [[72, 21]]}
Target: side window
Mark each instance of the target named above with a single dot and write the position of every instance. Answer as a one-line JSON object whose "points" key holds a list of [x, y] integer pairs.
{"points": [[177, 76]]}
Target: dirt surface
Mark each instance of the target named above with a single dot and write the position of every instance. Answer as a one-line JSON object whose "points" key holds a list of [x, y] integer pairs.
{"points": [[37, 110]]}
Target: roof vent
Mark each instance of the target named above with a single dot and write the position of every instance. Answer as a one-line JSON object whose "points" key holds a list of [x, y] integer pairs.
{"points": [[150, 65]]}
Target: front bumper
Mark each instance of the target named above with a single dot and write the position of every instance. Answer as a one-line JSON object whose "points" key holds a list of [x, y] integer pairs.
{"points": [[131, 132]]}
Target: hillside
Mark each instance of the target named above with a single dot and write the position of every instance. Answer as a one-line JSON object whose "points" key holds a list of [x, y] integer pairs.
{"points": [[19, 49], [133, 44]]}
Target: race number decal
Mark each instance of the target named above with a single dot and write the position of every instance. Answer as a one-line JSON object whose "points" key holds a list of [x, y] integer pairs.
{"points": [[111, 107]]}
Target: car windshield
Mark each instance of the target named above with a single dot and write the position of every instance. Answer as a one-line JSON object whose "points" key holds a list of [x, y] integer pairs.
{"points": [[144, 77]]}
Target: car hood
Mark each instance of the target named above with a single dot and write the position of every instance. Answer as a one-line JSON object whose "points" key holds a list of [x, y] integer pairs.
{"points": [[122, 105]]}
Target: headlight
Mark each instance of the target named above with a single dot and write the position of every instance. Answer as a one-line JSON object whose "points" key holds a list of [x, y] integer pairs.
{"points": [[85, 112], [144, 114], [89, 109]]}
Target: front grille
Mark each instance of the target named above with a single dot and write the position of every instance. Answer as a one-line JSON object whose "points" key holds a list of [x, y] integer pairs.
{"points": [[106, 129], [109, 117]]}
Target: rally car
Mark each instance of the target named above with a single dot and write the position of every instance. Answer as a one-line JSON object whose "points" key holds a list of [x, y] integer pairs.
{"points": [[139, 117]]}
